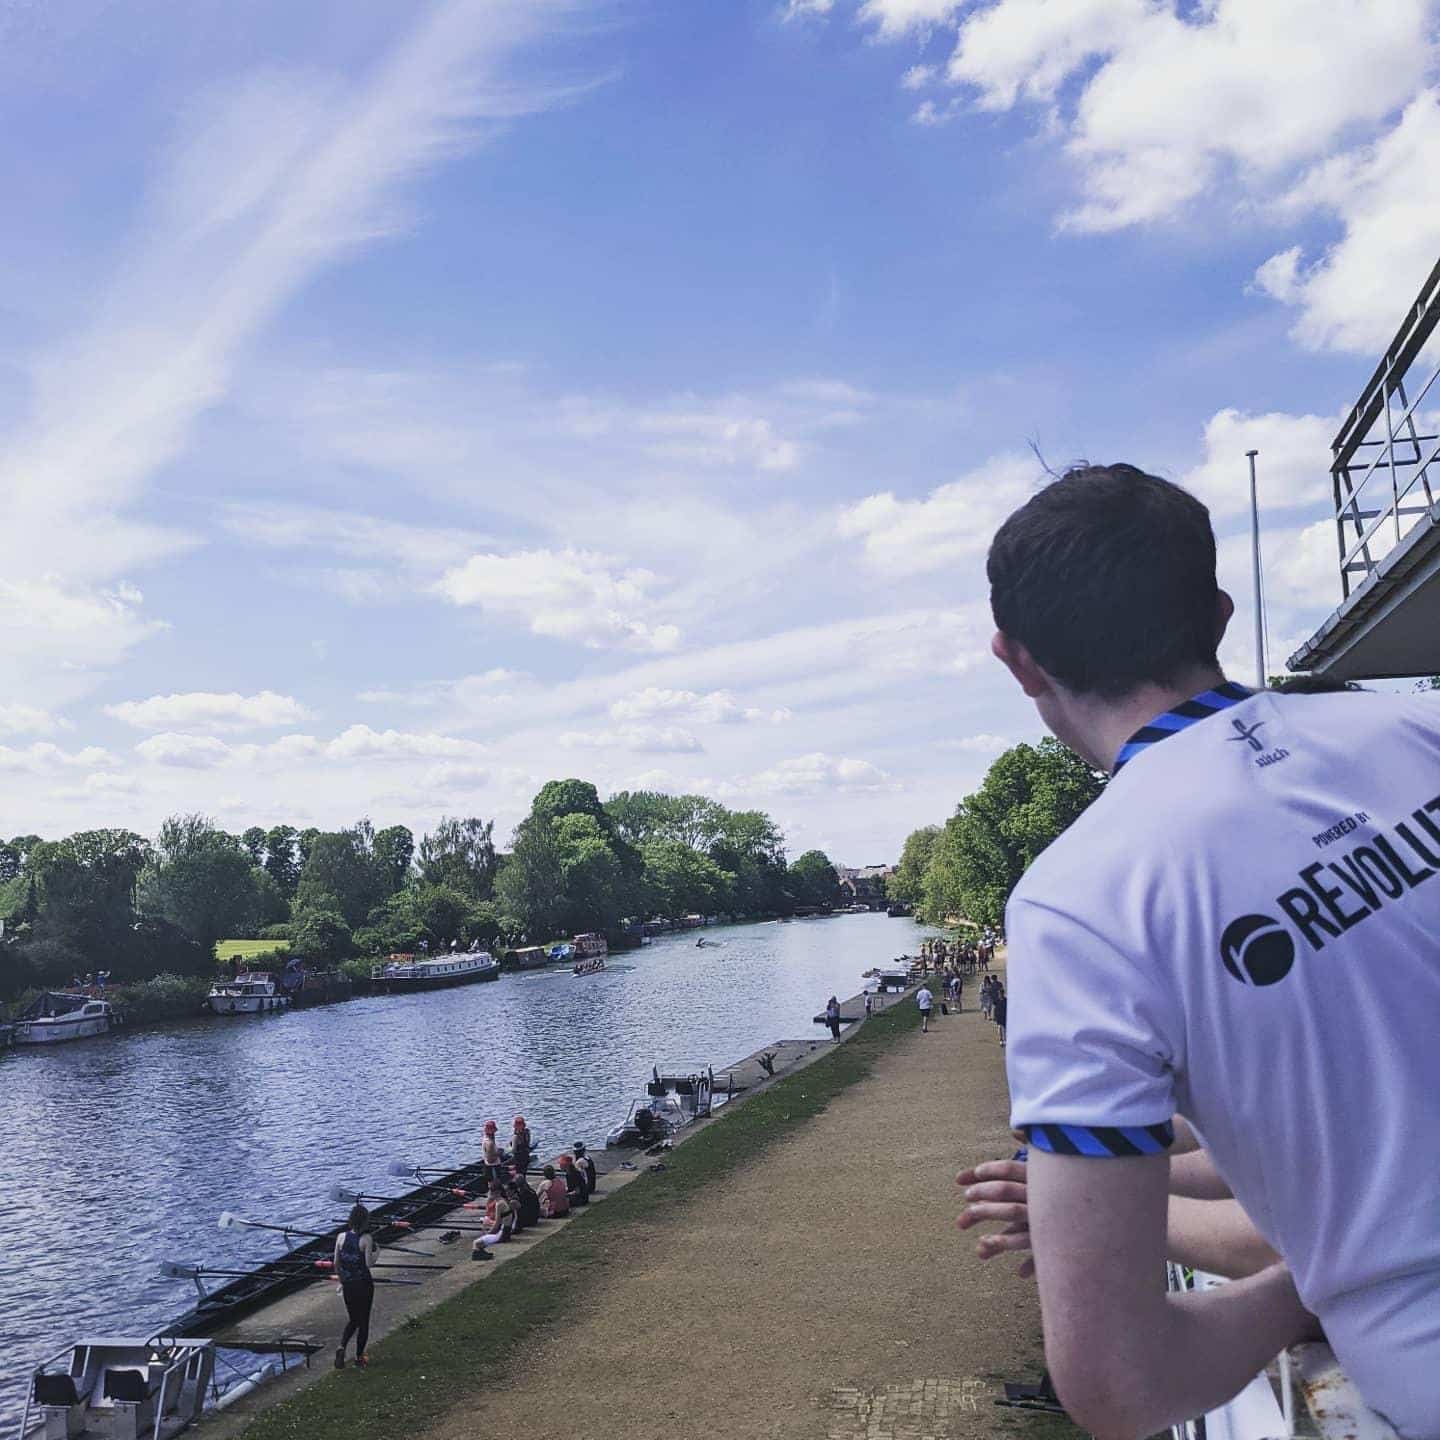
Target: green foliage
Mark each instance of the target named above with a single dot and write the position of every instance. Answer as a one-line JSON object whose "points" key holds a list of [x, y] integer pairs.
{"points": [[813, 880], [341, 872], [321, 935], [202, 880], [282, 859], [460, 854], [907, 883], [1029, 796], [682, 881], [394, 850], [254, 842]]}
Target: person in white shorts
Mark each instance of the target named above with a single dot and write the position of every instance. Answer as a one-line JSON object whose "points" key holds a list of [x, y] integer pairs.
{"points": [[1243, 928]]}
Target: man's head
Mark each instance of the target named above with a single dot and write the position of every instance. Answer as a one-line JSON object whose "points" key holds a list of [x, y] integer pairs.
{"points": [[1102, 586]]}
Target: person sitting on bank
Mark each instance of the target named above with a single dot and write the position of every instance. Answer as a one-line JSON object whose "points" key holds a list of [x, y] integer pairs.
{"points": [[520, 1145], [585, 1165], [501, 1217], [574, 1182], [525, 1201], [554, 1195]]}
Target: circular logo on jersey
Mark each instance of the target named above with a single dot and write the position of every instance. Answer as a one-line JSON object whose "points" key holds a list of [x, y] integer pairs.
{"points": [[1257, 950]]}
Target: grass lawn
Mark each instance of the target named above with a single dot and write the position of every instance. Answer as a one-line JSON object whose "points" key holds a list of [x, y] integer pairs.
{"points": [[449, 1355], [227, 950]]}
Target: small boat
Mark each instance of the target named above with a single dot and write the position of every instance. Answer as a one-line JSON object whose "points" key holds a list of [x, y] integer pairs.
{"points": [[561, 952], [56, 1016], [589, 945], [590, 967], [405, 972], [307, 987], [670, 1103], [119, 1389], [255, 992]]}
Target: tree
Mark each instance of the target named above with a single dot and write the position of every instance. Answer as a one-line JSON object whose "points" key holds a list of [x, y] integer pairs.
{"points": [[906, 884], [254, 842], [558, 798], [1030, 795], [639, 816], [593, 880], [531, 885], [321, 935], [461, 854], [813, 880], [682, 881], [10, 862], [202, 881], [394, 850], [282, 859], [84, 893], [342, 867]]}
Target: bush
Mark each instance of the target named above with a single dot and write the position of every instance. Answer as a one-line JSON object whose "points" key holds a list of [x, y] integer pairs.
{"points": [[321, 935], [165, 997], [276, 932]]}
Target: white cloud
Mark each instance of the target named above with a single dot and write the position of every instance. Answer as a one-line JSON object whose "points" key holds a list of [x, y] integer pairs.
{"points": [[1387, 197], [358, 743], [806, 9], [818, 772], [639, 739], [718, 707], [16, 719], [208, 712], [954, 522], [982, 744], [1293, 467], [491, 690], [917, 77], [190, 752], [568, 594], [1179, 101], [43, 757], [894, 19]]}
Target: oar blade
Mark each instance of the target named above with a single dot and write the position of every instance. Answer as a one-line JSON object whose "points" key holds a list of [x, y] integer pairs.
{"points": [[171, 1270], [401, 1171], [341, 1196], [227, 1220]]}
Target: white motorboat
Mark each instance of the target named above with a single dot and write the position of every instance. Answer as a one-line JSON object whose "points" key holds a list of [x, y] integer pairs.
{"points": [[55, 1016], [405, 972], [253, 993], [119, 1389]]}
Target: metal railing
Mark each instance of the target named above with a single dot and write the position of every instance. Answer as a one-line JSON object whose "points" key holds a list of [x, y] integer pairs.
{"points": [[1381, 441]]}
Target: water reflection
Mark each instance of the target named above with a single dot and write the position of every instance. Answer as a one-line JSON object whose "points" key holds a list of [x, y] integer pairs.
{"points": [[119, 1152]]}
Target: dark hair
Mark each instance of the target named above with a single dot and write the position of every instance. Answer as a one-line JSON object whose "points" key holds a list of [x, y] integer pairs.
{"points": [[359, 1220], [1107, 578]]}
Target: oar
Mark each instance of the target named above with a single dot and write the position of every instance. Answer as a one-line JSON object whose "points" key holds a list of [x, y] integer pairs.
{"points": [[341, 1196], [458, 1191], [171, 1270], [228, 1221]]}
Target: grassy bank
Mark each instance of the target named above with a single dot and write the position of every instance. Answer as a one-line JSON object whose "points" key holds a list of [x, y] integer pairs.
{"points": [[227, 950], [453, 1353]]}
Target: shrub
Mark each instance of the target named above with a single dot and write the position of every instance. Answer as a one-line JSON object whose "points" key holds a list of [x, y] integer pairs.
{"points": [[276, 932], [321, 935]]}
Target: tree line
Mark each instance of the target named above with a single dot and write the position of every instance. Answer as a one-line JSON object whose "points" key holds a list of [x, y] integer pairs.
{"points": [[967, 867], [138, 907]]}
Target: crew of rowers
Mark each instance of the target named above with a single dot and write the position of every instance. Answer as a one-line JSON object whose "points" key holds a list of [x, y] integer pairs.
{"points": [[513, 1204]]}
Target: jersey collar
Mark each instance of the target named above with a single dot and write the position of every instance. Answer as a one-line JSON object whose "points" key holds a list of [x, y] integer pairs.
{"points": [[1181, 717]]}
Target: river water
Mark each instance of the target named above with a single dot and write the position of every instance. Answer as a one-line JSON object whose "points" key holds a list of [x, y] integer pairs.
{"points": [[120, 1152]]}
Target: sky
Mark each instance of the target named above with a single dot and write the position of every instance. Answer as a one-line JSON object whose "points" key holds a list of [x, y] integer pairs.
{"points": [[404, 404]]}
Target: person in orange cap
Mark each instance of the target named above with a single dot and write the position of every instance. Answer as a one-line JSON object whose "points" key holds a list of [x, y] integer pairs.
{"points": [[490, 1152]]}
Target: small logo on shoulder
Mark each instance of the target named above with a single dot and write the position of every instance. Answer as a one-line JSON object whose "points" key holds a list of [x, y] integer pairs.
{"points": [[1246, 735]]}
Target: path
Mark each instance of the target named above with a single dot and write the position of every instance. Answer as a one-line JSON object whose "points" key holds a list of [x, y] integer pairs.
{"points": [[823, 1293]]}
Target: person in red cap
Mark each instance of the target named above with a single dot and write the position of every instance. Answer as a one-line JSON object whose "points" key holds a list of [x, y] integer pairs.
{"points": [[520, 1146], [574, 1182]]}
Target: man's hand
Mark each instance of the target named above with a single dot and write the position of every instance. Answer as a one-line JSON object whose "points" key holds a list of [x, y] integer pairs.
{"points": [[996, 1192]]}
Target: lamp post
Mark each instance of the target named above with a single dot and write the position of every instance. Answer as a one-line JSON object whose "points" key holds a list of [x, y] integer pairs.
{"points": [[1255, 562]]}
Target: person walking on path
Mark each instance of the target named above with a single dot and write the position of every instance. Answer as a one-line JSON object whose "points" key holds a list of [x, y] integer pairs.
{"points": [[354, 1254], [832, 1016], [926, 1001], [998, 1005]]}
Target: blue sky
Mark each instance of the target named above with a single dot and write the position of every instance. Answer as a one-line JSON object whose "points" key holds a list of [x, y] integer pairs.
{"points": [[401, 405]]}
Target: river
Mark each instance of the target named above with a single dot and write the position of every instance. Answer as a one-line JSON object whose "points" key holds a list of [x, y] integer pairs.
{"points": [[120, 1152]]}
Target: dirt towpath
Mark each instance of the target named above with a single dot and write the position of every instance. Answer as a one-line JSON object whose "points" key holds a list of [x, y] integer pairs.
{"points": [[822, 1292]]}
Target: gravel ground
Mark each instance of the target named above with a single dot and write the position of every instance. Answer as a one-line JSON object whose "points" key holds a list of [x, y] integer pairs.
{"points": [[823, 1293]]}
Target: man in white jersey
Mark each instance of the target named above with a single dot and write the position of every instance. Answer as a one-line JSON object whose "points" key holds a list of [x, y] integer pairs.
{"points": [[1242, 929]]}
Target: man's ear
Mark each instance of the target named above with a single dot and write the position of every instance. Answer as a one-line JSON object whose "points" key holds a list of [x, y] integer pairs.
{"points": [[1224, 610], [1021, 664]]}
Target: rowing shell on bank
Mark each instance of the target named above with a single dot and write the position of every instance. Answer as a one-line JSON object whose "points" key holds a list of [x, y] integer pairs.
{"points": [[394, 1219]]}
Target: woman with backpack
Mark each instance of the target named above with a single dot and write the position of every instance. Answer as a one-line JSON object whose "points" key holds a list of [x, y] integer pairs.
{"points": [[354, 1254]]}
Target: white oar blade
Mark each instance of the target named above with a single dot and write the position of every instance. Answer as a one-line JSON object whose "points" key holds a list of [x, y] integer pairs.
{"points": [[171, 1271], [227, 1220], [401, 1170], [341, 1196]]}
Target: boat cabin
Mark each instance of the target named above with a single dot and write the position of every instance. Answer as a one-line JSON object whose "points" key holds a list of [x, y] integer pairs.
{"points": [[670, 1103]]}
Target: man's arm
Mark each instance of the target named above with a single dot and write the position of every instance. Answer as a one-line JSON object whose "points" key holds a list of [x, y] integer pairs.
{"points": [[1216, 1236], [1194, 1175], [1099, 1232]]}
